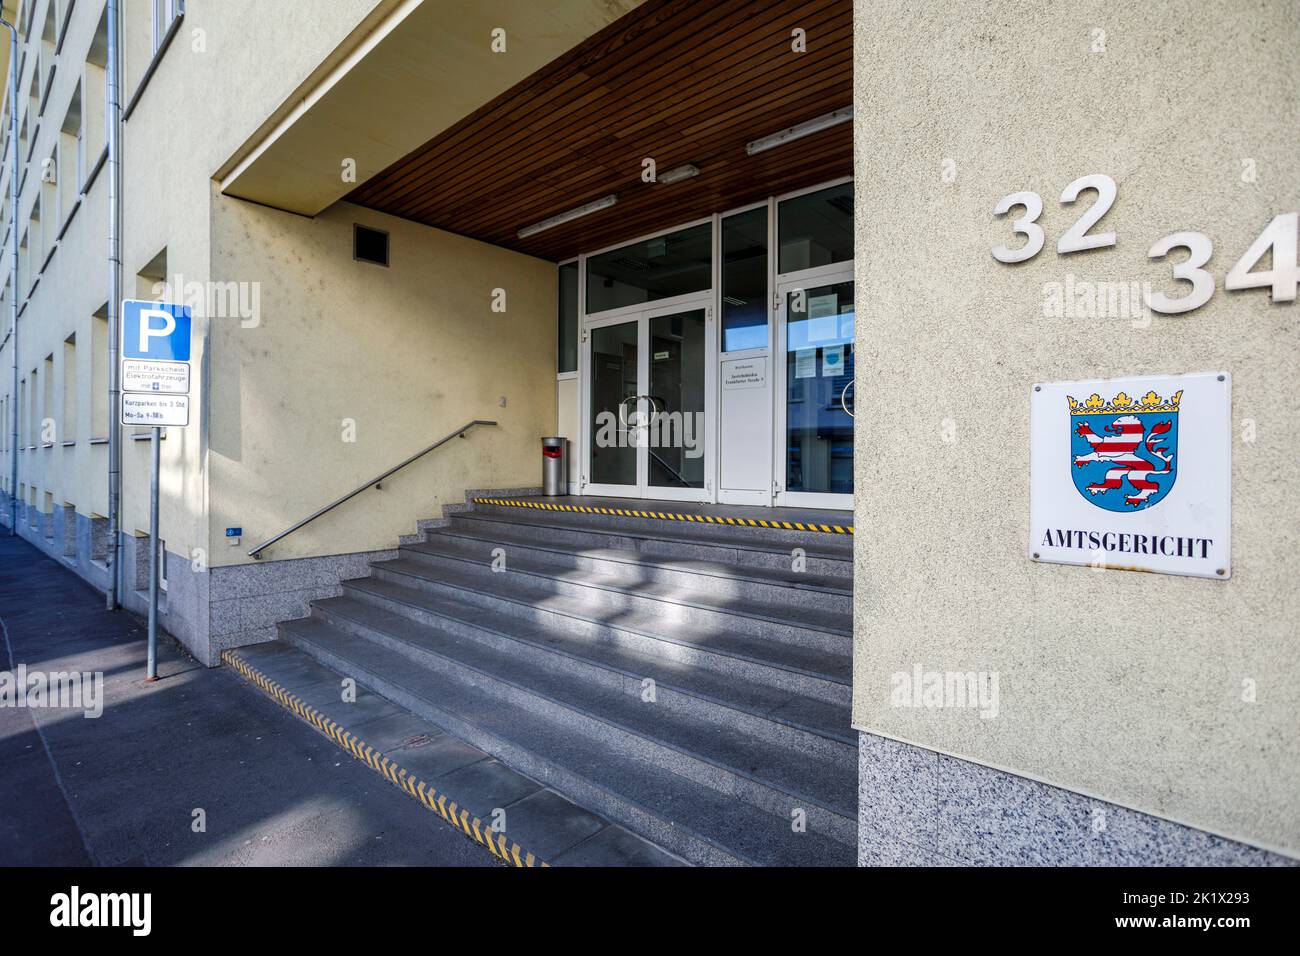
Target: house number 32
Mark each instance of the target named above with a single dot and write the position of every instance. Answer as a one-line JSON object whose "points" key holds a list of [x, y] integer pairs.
{"points": [[1279, 236]]}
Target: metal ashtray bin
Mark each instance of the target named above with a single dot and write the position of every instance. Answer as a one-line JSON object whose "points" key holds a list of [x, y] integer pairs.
{"points": [[555, 466]]}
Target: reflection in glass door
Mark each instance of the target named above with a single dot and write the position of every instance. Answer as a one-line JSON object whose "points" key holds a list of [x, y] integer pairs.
{"points": [[614, 409], [815, 435], [679, 358], [648, 405]]}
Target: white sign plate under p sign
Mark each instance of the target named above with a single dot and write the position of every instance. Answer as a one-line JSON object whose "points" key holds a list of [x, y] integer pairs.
{"points": [[1133, 473], [155, 410]]}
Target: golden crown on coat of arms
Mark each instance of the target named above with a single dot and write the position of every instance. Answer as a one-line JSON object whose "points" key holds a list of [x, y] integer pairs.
{"points": [[1121, 404]]}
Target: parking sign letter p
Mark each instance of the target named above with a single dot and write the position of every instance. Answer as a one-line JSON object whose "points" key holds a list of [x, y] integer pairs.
{"points": [[148, 329]]}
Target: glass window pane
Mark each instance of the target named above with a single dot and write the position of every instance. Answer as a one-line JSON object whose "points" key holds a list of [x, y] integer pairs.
{"points": [[819, 369], [678, 350], [744, 281], [568, 350], [613, 383], [816, 229], [653, 269]]}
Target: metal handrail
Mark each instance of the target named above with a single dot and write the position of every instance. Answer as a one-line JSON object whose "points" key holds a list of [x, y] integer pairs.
{"points": [[458, 433]]}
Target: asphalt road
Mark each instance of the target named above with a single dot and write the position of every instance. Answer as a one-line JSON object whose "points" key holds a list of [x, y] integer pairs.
{"points": [[199, 745]]}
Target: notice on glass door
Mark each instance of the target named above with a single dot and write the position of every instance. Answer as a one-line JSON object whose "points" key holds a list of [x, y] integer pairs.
{"points": [[822, 312], [744, 373], [805, 363], [832, 361]]}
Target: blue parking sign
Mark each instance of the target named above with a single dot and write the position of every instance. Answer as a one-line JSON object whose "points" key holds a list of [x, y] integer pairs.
{"points": [[155, 330]]}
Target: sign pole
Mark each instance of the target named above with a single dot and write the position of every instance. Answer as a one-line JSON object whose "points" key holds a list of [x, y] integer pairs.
{"points": [[155, 379], [155, 446]]}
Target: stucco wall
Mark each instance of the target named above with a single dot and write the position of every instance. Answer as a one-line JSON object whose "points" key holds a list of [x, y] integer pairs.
{"points": [[1119, 685], [352, 367], [205, 98]]}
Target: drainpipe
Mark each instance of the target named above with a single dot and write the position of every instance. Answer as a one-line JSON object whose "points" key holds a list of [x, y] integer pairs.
{"points": [[13, 250], [113, 124]]}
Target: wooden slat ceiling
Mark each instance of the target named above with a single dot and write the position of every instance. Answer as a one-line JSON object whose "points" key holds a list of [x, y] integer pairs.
{"points": [[679, 81]]}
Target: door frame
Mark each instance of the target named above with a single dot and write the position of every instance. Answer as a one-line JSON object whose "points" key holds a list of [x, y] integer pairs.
{"points": [[642, 316], [805, 279]]}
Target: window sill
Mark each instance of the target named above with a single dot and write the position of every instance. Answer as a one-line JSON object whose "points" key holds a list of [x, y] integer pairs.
{"points": [[70, 444], [68, 221], [94, 171], [149, 71], [99, 441], [63, 30]]}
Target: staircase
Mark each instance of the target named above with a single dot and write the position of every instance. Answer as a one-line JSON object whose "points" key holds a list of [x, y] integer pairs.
{"points": [[677, 678]]}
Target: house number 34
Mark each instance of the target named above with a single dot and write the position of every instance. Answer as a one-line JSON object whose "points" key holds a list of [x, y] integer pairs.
{"points": [[1279, 236]]}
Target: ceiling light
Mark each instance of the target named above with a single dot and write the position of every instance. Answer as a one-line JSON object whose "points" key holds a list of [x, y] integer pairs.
{"points": [[678, 173], [569, 216], [842, 115]]}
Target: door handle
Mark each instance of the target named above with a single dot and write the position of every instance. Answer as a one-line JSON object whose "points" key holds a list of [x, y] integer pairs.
{"points": [[843, 404], [653, 400]]}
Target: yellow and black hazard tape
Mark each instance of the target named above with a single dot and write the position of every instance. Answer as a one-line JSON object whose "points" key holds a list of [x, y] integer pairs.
{"points": [[669, 516], [507, 851]]}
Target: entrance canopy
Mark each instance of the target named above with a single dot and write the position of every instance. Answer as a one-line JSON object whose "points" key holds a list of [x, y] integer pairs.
{"points": [[685, 83]]}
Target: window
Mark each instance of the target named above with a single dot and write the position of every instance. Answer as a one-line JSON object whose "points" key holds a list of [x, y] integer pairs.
{"points": [[659, 268], [71, 157], [744, 281], [815, 229], [49, 427], [567, 359], [164, 12], [69, 422], [92, 92], [99, 375]]}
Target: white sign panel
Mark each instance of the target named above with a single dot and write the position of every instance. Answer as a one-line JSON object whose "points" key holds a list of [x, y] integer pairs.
{"points": [[155, 363], [139, 375], [1133, 473], [744, 373], [156, 411]]}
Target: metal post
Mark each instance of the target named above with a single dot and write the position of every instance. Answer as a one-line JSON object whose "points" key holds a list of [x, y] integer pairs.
{"points": [[152, 672], [113, 123], [13, 251]]}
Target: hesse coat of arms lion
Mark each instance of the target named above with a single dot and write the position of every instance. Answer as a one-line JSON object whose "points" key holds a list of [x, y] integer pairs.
{"points": [[1124, 442]]}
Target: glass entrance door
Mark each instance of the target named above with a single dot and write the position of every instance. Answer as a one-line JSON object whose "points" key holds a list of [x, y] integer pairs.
{"points": [[649, 405], [814, 366]]}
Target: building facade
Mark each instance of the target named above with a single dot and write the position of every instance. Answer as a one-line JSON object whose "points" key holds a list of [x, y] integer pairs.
{"points": [[738, 254]]}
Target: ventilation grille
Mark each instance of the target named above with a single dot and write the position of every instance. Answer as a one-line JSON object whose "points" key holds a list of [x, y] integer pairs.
{"points": [[369, 245]]}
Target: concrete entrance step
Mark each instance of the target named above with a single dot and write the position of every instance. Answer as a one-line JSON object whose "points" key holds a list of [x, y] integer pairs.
{"points": [[769, 776], [703, 604], [779, 717], [699, 822], [791, 527], [757, 586], [808, 671], [462, 785]]}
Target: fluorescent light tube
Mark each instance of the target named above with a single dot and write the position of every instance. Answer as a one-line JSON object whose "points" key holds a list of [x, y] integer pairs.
{"points": [[842, 115], [678, 173], [569, 216]]}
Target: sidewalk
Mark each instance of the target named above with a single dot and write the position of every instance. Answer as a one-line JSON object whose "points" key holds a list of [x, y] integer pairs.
{"points": [[123, 789]]}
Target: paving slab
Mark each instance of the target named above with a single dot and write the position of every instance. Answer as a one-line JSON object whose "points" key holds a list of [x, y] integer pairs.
{"points": [[615, 846], [548, 824], [123, 789]]}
